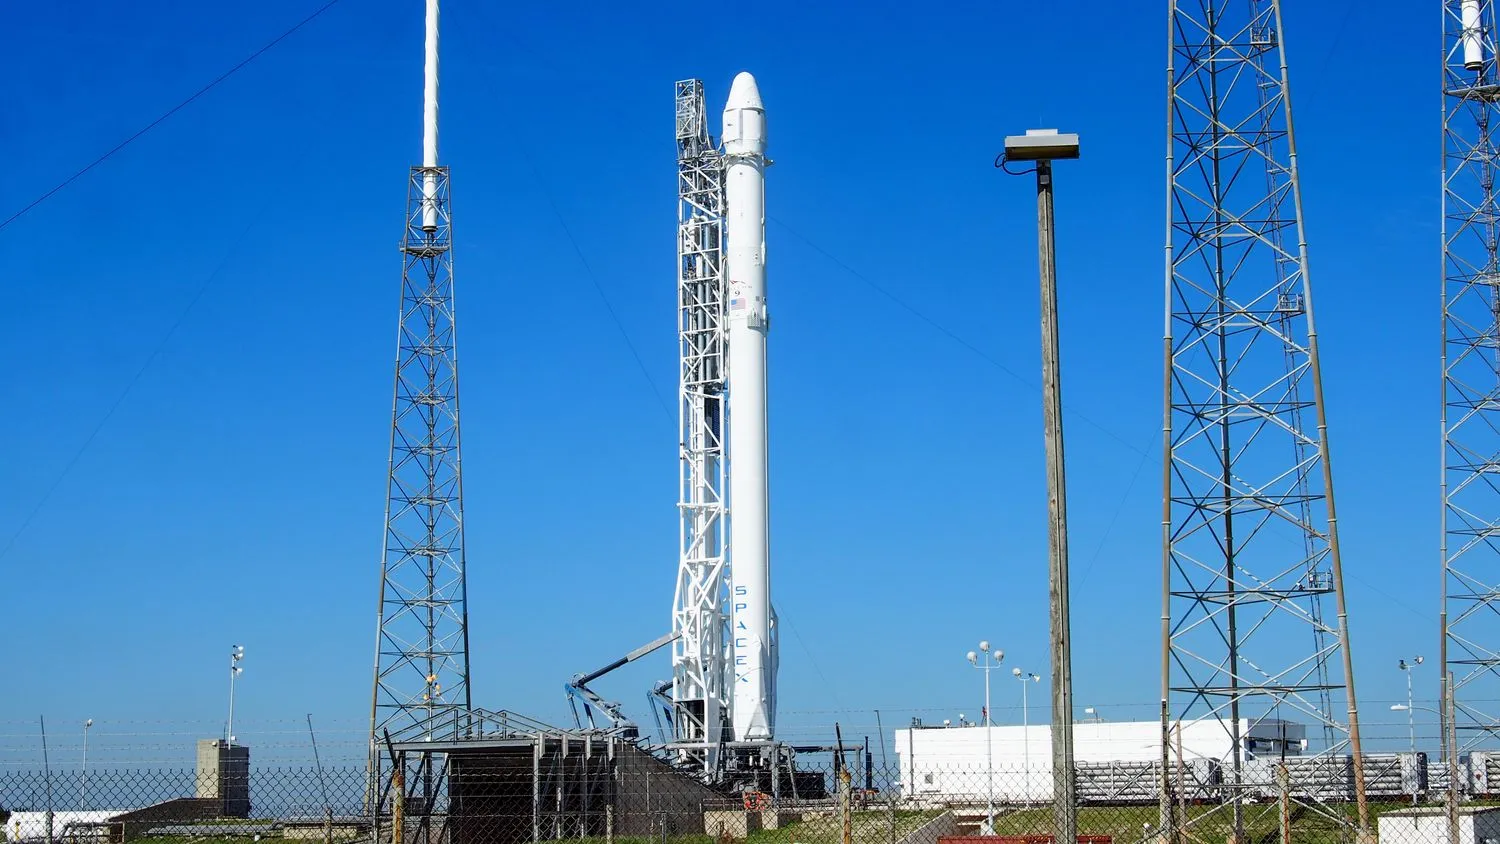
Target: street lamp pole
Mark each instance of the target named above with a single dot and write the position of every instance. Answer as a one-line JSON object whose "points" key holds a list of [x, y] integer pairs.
{"points": [[84, 785], [236, 654], [1411, 724], [982, 662], [1025, 677]]}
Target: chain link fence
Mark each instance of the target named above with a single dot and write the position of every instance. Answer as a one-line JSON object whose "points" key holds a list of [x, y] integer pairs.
{"points": [[621, 794]]}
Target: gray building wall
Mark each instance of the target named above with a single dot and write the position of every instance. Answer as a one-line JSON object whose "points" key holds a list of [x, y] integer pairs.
{"points": [[223, 775]]}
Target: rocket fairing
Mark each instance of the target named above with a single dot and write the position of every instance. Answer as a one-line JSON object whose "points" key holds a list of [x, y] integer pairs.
{"points": [[753, 671]]}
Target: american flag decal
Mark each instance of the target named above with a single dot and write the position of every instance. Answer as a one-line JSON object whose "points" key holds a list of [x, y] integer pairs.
{"points": [[737, 303]]}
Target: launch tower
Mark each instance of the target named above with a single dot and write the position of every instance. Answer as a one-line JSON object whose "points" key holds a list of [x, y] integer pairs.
{"points": [[700, 706]]}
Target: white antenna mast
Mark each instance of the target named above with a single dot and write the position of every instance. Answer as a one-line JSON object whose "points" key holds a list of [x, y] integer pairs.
{"points": [[430, 121]]}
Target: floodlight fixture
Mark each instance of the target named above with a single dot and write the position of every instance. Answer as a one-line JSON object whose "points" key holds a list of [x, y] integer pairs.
{"points": [[1041, 145]]}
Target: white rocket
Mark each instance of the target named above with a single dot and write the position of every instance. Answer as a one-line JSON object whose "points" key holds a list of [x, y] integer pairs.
{"points": [[753, 645]]}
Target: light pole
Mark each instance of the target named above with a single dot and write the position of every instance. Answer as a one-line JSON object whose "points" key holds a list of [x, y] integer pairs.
{"points": [[1025, 677], [984, 664], [1411, 727], [84, 785], [1409, 709], [236, 653], [1043, 146]]}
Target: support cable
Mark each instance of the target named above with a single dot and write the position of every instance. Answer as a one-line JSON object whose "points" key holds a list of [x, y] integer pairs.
{"points": [[169, 112]]}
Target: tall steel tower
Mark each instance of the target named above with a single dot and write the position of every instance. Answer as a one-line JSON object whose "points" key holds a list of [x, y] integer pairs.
{"points": [[1249, 531], [700, 707], [1471, 370], [422, 642]]}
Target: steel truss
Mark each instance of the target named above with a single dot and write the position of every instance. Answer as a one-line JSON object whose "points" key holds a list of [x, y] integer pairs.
{"points": [[1250, 541], [422, 644], [700, 706], [1471, 371]]}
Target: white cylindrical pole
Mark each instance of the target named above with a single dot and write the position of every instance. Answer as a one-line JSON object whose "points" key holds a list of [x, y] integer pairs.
{"points": [[430, 120], [83, 785], [1025, 735], [1473, 34], [989, 756], [234, 671], [753, 703], [1411, 731], [1411, 721], [229, 726]]}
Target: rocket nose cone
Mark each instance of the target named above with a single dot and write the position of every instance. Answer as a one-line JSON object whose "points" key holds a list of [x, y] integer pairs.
{"points": [[744, 93]]}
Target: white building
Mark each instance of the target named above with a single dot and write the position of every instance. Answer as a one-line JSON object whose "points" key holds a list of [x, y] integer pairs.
{"points": [[1014, 764], [32, 826], [1476, 825]]}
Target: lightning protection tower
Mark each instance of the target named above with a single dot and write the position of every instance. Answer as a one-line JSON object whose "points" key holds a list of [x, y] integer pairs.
{"points": [[1471, 371], [422, 642], [1250, 542], [699, 698]]}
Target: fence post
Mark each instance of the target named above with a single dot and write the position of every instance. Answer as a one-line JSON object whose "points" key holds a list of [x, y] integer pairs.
{"points": [[1452, 741], [1284, 798], [846, 804], [1166, 825], [536, 788], [398, 800]]}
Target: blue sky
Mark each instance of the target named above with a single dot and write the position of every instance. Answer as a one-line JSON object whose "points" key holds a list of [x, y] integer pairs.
{"points": [[202, 330]]}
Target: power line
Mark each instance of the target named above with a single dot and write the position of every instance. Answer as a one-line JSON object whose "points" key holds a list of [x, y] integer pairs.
{"points": [[130, 385], [173, 110], [588, 271], [947, 332], [583, 260]]}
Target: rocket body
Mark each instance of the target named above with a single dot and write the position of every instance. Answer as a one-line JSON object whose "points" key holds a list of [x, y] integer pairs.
{"points": [[753, 672]]}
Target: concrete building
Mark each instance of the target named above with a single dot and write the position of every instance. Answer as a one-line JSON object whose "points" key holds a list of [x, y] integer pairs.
{"points": [[1426, 825], [223, 775]]}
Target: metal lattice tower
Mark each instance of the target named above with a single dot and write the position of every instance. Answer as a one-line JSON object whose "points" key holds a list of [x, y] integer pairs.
{"points": [[1250, 541], [1471, 370], [422, 643], [1288, 271], [699, 697], [422, 664]]}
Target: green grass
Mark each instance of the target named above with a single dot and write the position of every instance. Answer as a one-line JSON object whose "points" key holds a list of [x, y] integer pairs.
{"points": [[1206, 824]]}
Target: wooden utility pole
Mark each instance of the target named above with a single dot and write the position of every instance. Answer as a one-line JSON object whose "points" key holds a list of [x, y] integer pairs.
{"points": [[1043, 146], [1065, 818]]}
